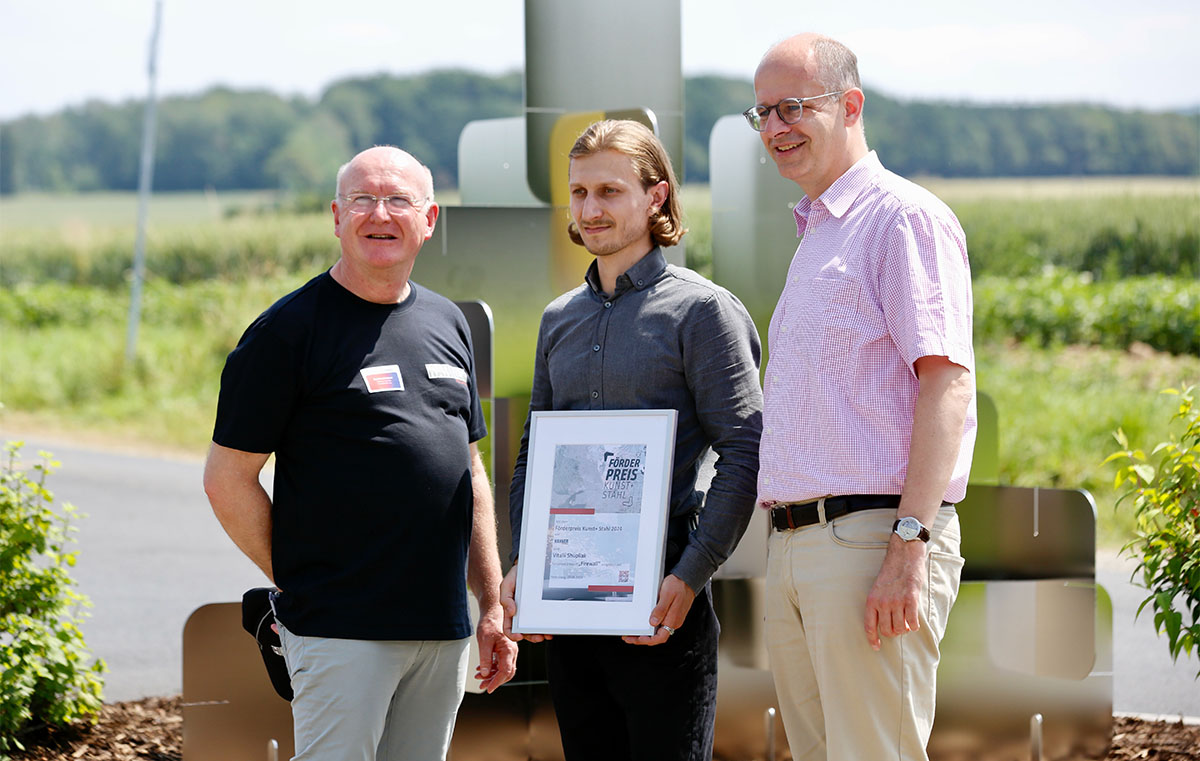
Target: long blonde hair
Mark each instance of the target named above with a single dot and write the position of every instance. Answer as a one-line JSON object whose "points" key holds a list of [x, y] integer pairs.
{"points": [[650, 161]]}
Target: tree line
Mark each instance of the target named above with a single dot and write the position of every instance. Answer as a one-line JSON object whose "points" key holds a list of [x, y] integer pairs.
{"points": [[249, 139]]}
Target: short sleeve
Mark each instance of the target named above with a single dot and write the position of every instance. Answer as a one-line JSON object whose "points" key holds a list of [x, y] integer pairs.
{"points": [[259, 388], [925, 287]]}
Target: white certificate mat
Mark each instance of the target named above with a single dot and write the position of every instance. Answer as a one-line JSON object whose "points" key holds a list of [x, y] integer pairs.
{"points": [[593, 528]]}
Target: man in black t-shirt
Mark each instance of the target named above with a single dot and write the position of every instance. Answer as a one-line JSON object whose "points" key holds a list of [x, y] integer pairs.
{"points": [[362, 384]]}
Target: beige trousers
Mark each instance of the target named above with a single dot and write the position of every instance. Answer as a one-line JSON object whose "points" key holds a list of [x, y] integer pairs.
{"points": [[839, 699]]}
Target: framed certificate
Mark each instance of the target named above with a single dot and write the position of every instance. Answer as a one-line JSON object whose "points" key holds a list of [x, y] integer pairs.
{"points": [[597, 488]]}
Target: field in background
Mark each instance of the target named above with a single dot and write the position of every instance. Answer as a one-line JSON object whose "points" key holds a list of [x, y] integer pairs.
{"points": [[57, 211], [1040, 188], [118, 211], [1015, 227], [216, 260], [52, 211]]}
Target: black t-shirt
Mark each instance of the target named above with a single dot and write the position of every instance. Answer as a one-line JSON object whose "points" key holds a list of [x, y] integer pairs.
{"points": [[369, 409]]}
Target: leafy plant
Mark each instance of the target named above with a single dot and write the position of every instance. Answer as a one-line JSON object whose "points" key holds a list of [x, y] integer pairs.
{"points": [[1061, 307], [1166, 500], [45, 677]]}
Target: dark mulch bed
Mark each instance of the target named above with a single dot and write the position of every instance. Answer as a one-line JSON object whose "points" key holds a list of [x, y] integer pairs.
{"points": [[1164, 741], [153, 729], [142, 729]]}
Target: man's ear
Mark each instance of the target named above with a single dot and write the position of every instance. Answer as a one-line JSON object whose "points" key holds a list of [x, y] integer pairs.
{"points": [[431, 215], [852, 106], [658, 193]]}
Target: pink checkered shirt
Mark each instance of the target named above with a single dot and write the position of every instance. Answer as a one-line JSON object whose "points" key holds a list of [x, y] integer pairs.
{"points": [[880, 279]]}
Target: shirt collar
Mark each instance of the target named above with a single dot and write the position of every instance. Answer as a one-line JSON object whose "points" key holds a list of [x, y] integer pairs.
{"points": [[640, 276], [841, 195]]}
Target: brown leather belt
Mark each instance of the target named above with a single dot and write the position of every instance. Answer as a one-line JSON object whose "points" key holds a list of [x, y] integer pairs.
{"points": [[794, 515]]}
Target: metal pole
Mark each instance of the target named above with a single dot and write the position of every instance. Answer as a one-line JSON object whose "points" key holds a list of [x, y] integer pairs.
{"points": [[1035, 737], [769, 722], [144, 179]]}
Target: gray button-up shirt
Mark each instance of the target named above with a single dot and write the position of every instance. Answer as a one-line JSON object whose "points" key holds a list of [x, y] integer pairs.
{"points": [[666, 339]]}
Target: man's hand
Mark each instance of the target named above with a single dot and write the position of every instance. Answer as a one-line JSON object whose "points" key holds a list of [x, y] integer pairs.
{"points": [[894, 601], [508, 601], [674, 601], [497, 654]]}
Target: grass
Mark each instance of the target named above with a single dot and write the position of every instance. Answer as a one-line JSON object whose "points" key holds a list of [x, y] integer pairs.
{"points": [[1058, 409], [228, 248], [954, 190], [46, 211], [118, 210], [65, 369]]}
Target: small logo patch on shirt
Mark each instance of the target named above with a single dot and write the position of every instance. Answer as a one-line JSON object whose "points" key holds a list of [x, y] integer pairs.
{"points": [[447, 371], [382, 378]]}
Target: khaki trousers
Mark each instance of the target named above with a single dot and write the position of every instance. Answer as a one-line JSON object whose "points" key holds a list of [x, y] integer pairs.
{"points": [[839, 699]]}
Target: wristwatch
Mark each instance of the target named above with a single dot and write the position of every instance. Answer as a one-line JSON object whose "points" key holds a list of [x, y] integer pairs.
{"points": [[910, 528]]}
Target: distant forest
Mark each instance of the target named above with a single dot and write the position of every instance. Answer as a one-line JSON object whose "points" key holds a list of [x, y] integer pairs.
{"points": [[229, 139]]}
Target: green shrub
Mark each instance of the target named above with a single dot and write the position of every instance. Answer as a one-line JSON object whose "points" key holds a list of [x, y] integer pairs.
{"points": [[45, 678], [1060, 308], [1166, 501], [1019, 236]]}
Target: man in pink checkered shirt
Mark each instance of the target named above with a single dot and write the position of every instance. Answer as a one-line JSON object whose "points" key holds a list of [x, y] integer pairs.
{"points": [[868, 425]]}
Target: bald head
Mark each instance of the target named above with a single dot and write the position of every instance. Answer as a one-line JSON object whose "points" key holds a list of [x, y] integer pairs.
{"points": [[387, 158], [814, 145], [817, 58]]}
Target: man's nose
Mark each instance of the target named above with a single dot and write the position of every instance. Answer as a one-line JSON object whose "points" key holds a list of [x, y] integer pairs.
{"points": [[775, 125], [591, 208], [380, 212]]}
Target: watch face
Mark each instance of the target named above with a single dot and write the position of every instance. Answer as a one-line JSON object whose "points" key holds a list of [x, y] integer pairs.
{"points": [[908, 529]]}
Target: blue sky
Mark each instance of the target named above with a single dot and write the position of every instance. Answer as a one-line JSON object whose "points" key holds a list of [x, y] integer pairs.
{"points": [[1142, 55]]}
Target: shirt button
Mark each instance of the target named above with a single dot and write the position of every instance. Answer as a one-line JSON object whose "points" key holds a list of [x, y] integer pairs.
{"points": [[766, 479], [770, 430], [785, 328], [608, 305], [595, 394], [641, 282], [596, 347]]}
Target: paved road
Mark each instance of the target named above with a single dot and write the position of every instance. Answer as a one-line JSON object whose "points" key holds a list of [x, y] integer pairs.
{"points": [[151, 553], [1144, 678]]}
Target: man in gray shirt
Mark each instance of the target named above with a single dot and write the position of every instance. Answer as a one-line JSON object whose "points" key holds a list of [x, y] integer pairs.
{"points": [[642, 334]]}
